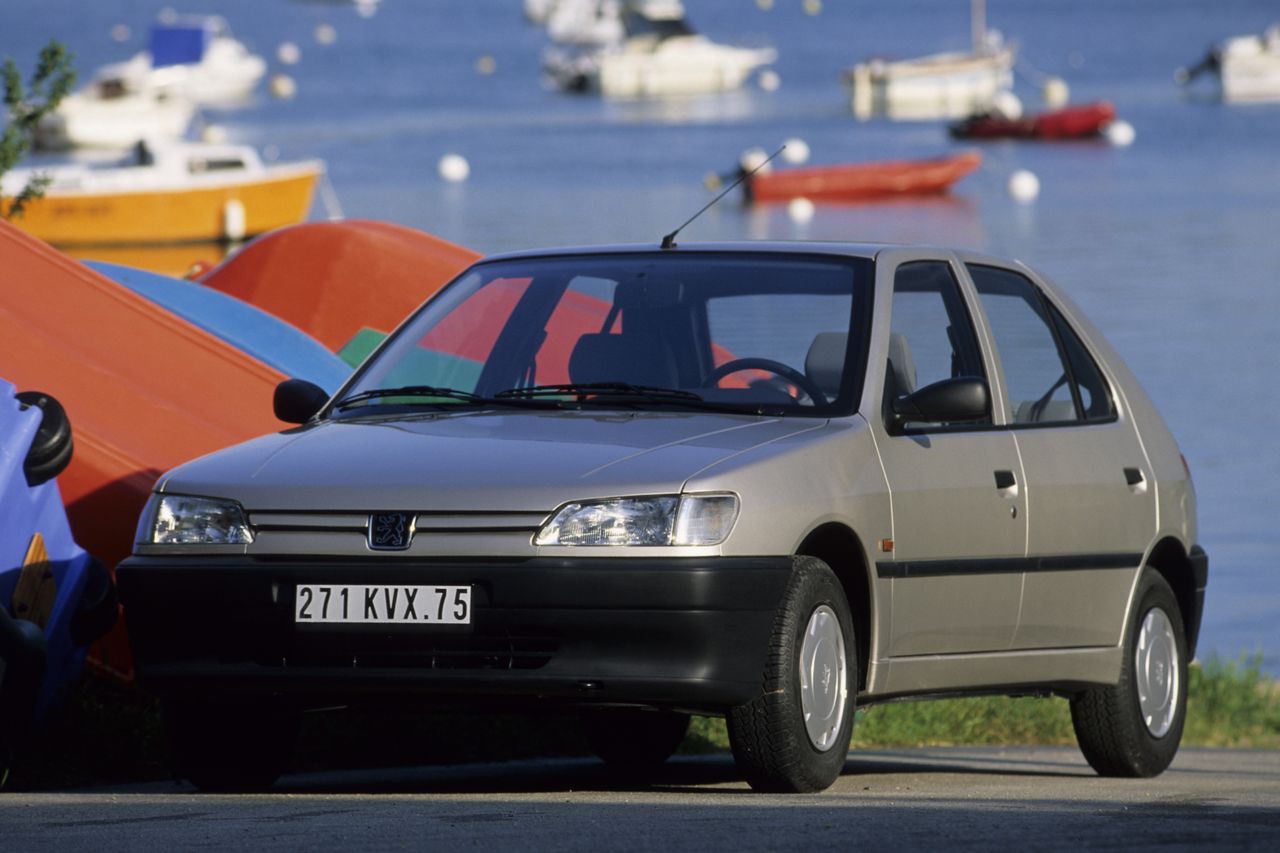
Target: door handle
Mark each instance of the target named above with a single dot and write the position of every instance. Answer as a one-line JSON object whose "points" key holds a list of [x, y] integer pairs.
{"points": [[1005, 480], [1133, 476]]}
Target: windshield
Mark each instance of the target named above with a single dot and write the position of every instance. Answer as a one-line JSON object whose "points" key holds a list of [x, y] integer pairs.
{"points": [[760, 333]]}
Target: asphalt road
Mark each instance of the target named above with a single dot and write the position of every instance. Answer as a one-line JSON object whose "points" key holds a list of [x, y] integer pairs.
{"points": [[925, 799]]}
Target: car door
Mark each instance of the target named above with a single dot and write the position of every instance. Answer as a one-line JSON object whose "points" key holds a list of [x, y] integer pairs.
{"points": [[1091, 503], [959, 529]]}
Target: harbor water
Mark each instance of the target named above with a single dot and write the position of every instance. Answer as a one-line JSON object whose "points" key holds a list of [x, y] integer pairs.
{"points": [[1171, 244]]}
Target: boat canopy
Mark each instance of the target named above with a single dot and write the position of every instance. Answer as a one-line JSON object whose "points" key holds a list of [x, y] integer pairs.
{"points": [[180, 44]]}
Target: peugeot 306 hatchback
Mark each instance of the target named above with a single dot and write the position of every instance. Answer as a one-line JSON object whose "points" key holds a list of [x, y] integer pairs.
{"points": [[765, 481]]}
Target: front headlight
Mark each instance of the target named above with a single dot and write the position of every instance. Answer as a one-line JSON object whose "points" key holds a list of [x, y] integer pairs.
{"points": [[659, 520], [186, 520]]}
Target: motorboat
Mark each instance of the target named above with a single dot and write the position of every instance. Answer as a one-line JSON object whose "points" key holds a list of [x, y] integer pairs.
{"points": [[191, 62], [1082, 121], [855, 182], [196, 57], [659, 55], [1248, 67], [166, 193], [109, 114], [942, 85]]}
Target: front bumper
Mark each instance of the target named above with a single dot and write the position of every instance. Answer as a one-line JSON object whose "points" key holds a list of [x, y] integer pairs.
{"points": [[689, 633]]}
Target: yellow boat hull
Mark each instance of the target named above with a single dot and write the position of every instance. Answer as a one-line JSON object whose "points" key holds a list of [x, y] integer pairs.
{"points": [[228, 211]]}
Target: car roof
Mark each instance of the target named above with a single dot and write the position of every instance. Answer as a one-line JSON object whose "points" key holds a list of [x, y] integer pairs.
{"points": [[853, 250]]}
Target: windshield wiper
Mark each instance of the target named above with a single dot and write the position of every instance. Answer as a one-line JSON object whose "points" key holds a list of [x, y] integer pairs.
{"points": [[426, 391], [582, 390], [617, 393]]}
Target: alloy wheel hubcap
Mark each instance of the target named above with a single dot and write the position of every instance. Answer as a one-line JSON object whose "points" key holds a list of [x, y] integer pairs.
{"points": [[1156, 672], [823, 681]]}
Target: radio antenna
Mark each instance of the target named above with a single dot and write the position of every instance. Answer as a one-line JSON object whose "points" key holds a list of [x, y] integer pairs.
{"points": [[669, 241]]}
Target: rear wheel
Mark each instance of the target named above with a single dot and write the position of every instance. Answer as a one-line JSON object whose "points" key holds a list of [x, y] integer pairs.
{"points": [[1133, 728], [634, 740], [794, 736], [230, 746]]}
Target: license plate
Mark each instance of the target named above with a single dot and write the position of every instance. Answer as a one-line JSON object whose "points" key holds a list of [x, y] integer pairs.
{"points": [[379, 605]]}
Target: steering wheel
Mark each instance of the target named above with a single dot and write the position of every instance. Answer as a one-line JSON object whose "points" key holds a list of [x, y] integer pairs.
{"points": [[795, 377]]}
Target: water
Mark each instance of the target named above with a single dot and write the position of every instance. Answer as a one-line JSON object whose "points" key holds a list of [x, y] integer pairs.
{"points": [[1172, 245]]}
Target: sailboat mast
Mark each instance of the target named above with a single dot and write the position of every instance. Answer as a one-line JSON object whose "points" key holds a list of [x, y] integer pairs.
{"points": [[978, 22]]}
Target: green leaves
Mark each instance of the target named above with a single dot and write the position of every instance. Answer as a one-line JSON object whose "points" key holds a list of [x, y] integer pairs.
{"points": [[24, 107]]}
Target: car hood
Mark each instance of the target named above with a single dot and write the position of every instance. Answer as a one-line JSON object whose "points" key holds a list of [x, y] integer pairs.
{"points": [[480, 460]]}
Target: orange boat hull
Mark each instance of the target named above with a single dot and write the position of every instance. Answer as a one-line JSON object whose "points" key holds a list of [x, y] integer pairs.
{"points": [[864, 181], [171, 216], [318, 275], [144, 389]]}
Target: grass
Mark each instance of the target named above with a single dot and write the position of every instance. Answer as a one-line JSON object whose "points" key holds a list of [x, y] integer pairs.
{"points": [[110, 734], [1230, 703]]}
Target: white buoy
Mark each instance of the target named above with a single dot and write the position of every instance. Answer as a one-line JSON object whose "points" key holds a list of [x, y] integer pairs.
{"points": [[168, 16], [233, 219], [288, 53], [1008, 105], [283, 87], [796, 152], [1120, 133], [800, 210], [366, 8], [1024, 186], [214, 134], [752, 159], [486, 65], [454, 168], [121, 32], [326, 34], [769, 80], [1055, 92]]}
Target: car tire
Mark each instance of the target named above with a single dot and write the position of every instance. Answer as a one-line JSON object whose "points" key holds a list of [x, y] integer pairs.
{"points": [[51, 447], [224, 747], [794, 736], [1133, 728], [631, 740]]}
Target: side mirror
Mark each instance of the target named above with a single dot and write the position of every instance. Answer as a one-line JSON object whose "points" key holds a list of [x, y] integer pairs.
{"points": [[963, 399], [296, 401]]}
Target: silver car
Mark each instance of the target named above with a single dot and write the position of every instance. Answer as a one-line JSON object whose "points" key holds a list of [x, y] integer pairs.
{"points": [[767, 481]]}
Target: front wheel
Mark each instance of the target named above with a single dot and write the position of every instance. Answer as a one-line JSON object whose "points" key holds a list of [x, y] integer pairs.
{"points": [[1133, 728], [794, 736]]}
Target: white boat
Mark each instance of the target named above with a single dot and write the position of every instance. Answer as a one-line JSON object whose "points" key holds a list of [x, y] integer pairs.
{"points": [[1248, 67], [108, 115], [942, 85], [659, 55], [191, 61], [193, 56]]}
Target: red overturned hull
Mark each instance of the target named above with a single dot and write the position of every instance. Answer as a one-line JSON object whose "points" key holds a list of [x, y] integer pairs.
{"points": [[854, 182], [1080, 122], [332, 279], [144, 389]]}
